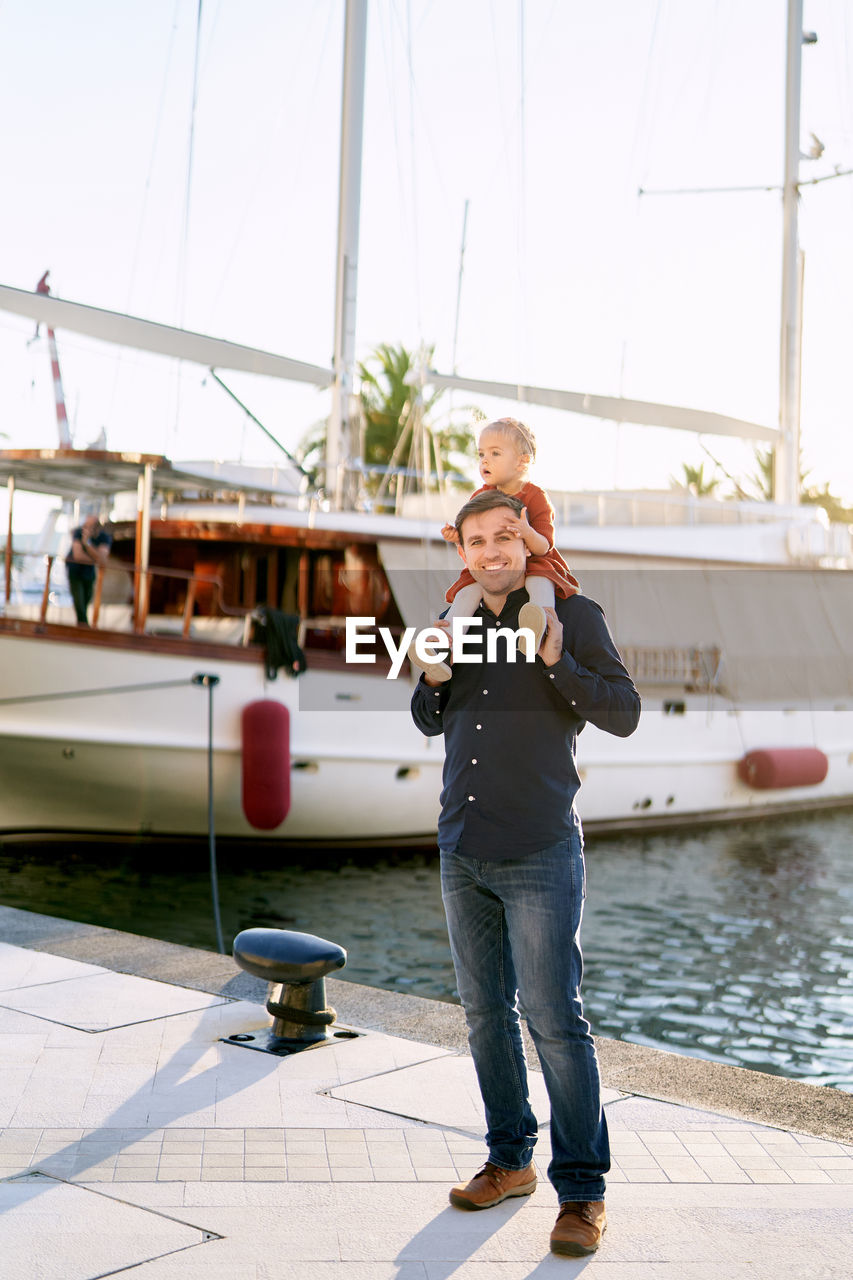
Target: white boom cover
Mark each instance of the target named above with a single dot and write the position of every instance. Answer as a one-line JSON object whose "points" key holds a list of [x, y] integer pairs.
{"points": [[148, 335]]}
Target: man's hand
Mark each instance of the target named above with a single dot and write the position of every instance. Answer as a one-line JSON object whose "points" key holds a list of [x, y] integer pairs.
{"points": [[445, 625], [551, 648], [441, 624]]}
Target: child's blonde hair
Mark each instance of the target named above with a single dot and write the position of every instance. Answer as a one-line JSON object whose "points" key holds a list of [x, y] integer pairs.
{"points": [[516, 433]]}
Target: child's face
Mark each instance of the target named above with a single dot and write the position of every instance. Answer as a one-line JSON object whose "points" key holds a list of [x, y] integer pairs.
{"points": [[500, 462]]}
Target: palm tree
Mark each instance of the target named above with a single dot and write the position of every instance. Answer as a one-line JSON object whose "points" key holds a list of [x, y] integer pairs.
{"points": [[762, 479], [695, 481], [401, 438]]}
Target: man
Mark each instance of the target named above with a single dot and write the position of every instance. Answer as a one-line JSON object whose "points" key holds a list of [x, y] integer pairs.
{"points": [[512, 870], [90, 547]]}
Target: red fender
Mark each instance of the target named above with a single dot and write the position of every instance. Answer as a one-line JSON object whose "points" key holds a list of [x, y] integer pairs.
{"points": [[775, 767], [266, 763]]}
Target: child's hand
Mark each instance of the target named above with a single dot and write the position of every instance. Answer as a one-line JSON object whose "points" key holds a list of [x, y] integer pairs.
{"points": [[536, 543], [448, 532], [519, 525]]}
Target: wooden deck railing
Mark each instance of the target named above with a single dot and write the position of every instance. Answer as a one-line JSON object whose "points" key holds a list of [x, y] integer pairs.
{"points": [[141, 598]]}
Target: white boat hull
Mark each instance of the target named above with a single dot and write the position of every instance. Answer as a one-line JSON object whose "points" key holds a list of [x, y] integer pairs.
{"points": [[135, 761]]}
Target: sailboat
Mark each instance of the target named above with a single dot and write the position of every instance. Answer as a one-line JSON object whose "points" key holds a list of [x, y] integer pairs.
{"points": [[182, 700]]}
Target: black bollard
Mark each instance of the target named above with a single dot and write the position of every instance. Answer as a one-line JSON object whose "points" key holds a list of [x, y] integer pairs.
{"points": [[296, 965]]}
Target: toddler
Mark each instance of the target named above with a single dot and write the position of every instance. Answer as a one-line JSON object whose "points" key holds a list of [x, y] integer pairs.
{"points": [[507, 448]]}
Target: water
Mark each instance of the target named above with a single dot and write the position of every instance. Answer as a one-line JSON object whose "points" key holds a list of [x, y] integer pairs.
{"points": [[729, 943]]}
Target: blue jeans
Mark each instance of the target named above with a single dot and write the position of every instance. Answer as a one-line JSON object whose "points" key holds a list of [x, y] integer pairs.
{"points": [[515, 932]]}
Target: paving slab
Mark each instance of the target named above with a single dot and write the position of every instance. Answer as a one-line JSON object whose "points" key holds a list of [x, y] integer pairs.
{"points": [[358, 1226], [441, 1093], [22, 968], [102, 1001], [54, 1231]]}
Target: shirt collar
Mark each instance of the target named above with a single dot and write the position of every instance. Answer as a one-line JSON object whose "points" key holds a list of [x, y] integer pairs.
{"points": [[512, 604]]}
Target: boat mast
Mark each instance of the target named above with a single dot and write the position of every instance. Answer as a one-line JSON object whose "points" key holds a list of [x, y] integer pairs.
{"points": [[786, 458], [339, 442]]}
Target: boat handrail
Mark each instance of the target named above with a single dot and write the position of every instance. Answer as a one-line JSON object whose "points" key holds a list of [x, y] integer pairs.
{"points": [[637, 507], [695, 668], [142, 579], [139, 601]]}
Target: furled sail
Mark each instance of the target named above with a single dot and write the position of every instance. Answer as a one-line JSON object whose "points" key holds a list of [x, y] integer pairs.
{"points": [[148, 335], [614, 408]]}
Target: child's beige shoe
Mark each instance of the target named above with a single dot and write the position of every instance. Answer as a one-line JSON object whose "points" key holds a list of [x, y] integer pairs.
{"points": [[437, 671], [531, 616]]}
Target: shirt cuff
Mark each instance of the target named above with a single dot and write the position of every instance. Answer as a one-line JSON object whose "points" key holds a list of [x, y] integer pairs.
{"points": [[564, 676]]}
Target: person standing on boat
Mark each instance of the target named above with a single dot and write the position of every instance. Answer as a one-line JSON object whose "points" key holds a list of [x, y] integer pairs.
{"points": [[90, 547], [512, 869]]}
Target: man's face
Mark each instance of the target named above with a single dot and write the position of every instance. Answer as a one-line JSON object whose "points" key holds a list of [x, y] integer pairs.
{"points": [[495, 557], [90, 524]]}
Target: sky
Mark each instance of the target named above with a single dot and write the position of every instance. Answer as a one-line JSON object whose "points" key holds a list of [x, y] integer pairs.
{"points": [[547, 116]]}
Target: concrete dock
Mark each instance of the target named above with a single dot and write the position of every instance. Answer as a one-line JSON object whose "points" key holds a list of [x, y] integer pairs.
{"points": [[134, 1138]]}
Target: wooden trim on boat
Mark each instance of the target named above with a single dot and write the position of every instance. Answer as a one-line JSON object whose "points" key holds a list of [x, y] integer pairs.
{"points": [[179, 646], [275, 535]]}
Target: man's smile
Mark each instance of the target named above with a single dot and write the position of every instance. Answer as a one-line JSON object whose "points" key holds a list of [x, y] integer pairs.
{"points": [[494, 556]]}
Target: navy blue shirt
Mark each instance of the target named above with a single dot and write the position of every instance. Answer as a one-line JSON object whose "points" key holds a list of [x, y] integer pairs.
{"points": [[510, 728], [85, 569]]}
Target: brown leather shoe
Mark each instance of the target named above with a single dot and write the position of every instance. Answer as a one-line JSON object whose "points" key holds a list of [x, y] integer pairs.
{"points": [[579, 1227], [493, 1184]]}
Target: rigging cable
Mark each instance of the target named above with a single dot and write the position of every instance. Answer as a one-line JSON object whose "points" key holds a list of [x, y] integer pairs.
{"points": [[305, 106], [182, 277], [154, 148], [521, 352], [134, 267], [629, 281], [184, 261], [436, 153], [504, 129], [413, 167], [504, 158], [629, 302]]}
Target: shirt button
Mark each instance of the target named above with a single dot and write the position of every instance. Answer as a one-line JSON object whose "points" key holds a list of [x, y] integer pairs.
{"points": [[479, 726], [551, 676], [485, 691], [470, 797], [474, 761], [574, 704]]}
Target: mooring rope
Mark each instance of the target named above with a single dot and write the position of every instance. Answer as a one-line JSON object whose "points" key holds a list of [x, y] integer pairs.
{"points": [[94, 693], [208, 682]]}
